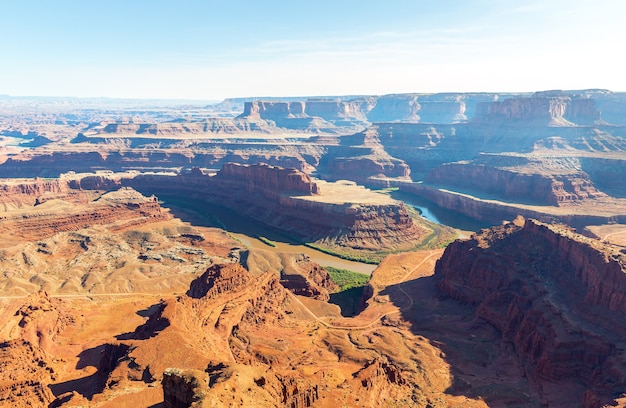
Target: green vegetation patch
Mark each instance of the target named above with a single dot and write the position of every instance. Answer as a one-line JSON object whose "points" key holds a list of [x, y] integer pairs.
{"points": [[373, 259], [346, 279], [266, 241]]}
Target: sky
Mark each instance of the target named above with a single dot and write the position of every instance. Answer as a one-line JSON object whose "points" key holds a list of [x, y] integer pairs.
{"points": [[213, 49]]}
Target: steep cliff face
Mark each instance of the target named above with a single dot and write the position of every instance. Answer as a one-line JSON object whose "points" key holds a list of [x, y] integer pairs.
{"points": [[219, 279], [51, 215], [21, 192], [452, 111], [446, 108], [360, 157], [612, 106], [556, 296], [160, 154], [364, 167], [283, 113], [289, 201], [607, 173], [273, 109], [543, 181], [541, 110], [213, 125], [282, 203], [270, 181], [183, 388], [494, 213], [391, 108], [333, 110]]}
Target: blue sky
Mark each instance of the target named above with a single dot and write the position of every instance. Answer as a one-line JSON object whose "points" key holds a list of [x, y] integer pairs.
{"points": [[214, 49]]}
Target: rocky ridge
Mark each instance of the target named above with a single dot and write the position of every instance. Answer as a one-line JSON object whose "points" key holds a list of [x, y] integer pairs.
{"points": [[62, 236], [262, 370], [556, 296], [358, 225], [336, 215], [543, 181], [541, 110], [362, 158], [44, 219]]}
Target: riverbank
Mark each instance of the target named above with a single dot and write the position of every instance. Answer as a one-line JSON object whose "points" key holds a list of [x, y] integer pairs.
{"points": [[253, 234]]}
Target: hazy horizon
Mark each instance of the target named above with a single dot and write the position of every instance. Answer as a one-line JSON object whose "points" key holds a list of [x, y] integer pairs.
{"points": [[210, 50]]}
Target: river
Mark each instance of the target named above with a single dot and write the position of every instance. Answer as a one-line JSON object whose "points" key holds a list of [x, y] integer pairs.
{"points": [[248, 230], [432, 212]]}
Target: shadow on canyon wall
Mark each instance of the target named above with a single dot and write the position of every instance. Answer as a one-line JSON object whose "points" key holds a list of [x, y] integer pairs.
{"points": [[481, 365]]}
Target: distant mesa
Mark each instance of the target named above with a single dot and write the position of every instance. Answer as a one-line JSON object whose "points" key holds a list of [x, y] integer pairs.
{"points": [[541, 110]]}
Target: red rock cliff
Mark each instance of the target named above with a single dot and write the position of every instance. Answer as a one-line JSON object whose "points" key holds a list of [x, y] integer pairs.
{"points": [[274, 197], [556, 296], [267, 180], [540, 181]]}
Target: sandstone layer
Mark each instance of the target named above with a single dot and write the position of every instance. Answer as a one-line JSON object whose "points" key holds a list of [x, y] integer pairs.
{"points": [[341, 216], [556, 297], [241, 338], [57, 236], [538, 180], [433, 138]]}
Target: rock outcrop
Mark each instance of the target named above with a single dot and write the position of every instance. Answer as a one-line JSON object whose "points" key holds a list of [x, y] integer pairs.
{"points": [[26, 373], [44, 219], [268, 181], [541, 110], [607, 173], [358, 225], [183, 388], [257, 348], [290, 114], [543, 181], [219, 279], [306, 278], [122, 153], [362, 158], [213, 125], [345, 216], [19, 193], [556, 296], [26, 363]]}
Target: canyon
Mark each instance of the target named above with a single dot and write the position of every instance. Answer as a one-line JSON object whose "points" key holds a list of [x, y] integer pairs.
{"points": [[121, 286]]}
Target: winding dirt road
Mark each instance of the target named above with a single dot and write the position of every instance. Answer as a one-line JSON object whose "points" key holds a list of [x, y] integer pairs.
{"points": [[379, 317]]}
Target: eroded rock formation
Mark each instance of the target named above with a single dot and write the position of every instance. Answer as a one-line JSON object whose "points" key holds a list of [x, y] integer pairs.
{"points": [[361, 158], [544, 181], [254, 334], [26, 372], [302, 113], [217, 280], [70, 236], [336, 215], [541, 110], [558, 297], [183, 388], [269, 181], [44, 218]]}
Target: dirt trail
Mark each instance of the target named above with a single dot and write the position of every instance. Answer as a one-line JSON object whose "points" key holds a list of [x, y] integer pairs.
{"points": [[379, 317]]}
